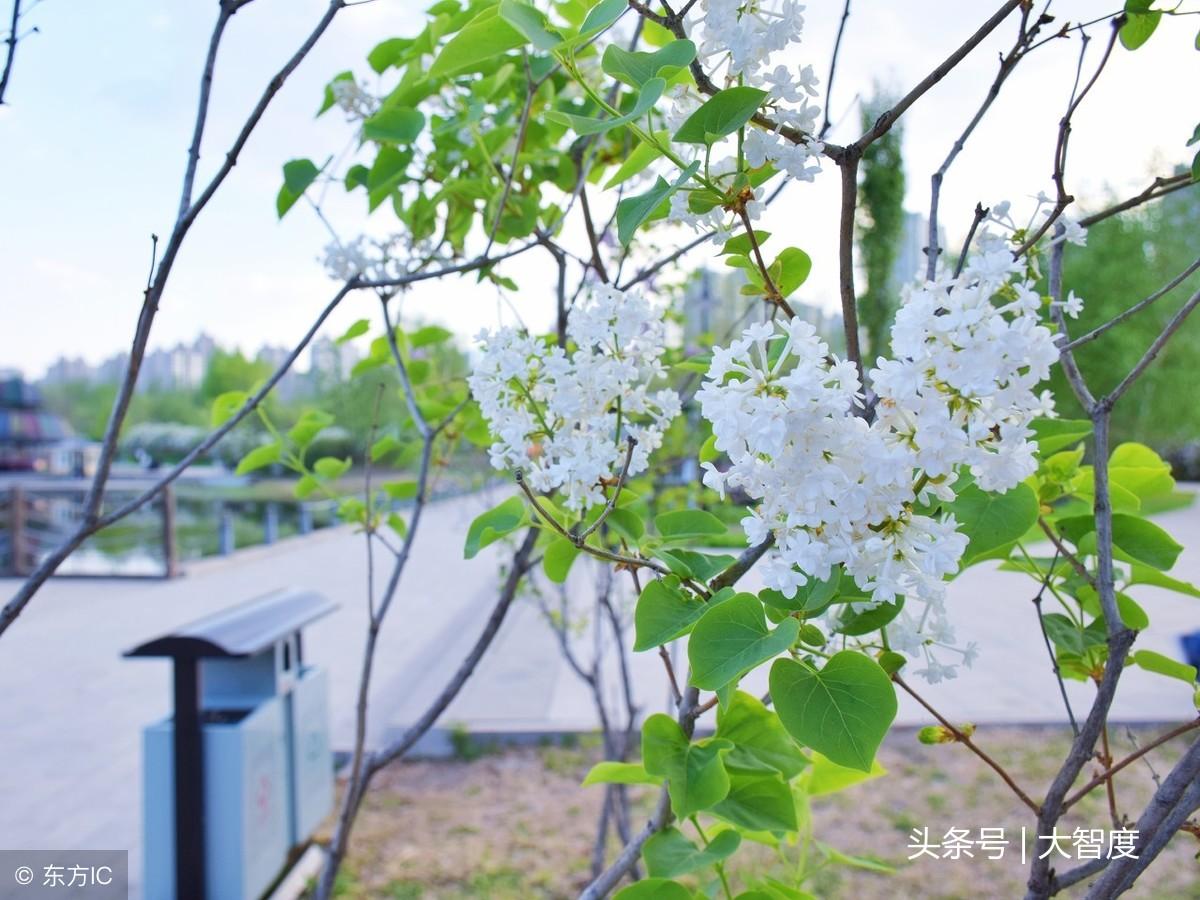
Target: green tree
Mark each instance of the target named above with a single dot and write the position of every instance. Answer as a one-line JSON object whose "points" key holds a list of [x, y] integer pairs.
{"points": [[1126, 259], [231, 371], [880, 225]]}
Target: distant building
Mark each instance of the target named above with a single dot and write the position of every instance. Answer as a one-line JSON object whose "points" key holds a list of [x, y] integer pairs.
{"points": [[33, 440], [181, 367], [715, 310], [327, 358]]}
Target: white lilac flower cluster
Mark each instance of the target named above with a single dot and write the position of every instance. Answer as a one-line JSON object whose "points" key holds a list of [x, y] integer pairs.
{"points": [[836, 490], [563, 418], [381, 259], [740, 42]]}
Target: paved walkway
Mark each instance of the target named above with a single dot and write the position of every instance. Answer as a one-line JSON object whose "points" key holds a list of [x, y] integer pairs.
{"points": [[73, 709]]}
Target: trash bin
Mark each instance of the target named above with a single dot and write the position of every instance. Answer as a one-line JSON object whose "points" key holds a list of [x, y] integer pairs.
{"points": [[242, 772]]}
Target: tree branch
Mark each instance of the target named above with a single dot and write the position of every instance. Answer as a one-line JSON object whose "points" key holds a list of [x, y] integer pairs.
{"points": [[964, 739]]}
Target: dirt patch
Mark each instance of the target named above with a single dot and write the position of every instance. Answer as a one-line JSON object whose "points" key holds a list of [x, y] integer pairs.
{"points": [[516, 824]]}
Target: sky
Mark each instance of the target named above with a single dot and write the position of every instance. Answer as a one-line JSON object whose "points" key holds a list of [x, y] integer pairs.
{"points": [[101, 103]]}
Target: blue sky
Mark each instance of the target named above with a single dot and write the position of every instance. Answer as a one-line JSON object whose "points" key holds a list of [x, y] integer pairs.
{"points": [[92, 149]]}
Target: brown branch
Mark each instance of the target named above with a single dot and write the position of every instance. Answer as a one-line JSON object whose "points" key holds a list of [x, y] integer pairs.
{"points": [[833, 61], [1079, 567], [1008, 63], [1173, 802], [884, 123], [966, 741], [849, 203], [1131, 758], [772, 291], [1161, 186], [1064, 199], [1154, 349]]}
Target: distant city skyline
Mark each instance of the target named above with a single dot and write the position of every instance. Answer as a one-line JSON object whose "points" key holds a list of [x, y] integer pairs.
{"points": [[183, 366]]}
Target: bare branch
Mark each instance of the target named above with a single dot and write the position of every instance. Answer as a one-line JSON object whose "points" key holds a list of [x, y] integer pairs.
{"points": [[849, 172], [1064, 199], [1161, 186], [11, 42], [1159, 342], [1008, 63], [1131, 758], [833, 61], [884, 123], [965, 739]]}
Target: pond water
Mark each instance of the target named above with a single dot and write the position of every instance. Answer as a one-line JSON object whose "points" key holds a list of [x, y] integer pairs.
{"points": [[135, 545]]}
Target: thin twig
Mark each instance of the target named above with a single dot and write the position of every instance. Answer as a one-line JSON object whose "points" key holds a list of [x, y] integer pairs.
{"points": [[1054, 667], [1154, 349], [11, 53], [966, 741], [1114, 768], [833, 60], [1135, 309]]}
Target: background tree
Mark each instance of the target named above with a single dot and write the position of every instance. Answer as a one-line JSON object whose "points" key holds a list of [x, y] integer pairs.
{"points": [[1131, 257], [880, 224]]}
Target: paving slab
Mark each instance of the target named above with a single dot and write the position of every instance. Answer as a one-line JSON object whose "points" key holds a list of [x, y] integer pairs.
{"points": [[74, 710]]}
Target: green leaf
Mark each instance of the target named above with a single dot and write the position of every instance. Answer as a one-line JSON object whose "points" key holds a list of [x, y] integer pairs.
{"points": [[760, 742], [359, 328], [843, 711], [557, 561], [226, 406], [306, 487], [696, 777], [790, 270], [664, 612], [856, 624], [827, 777], [740, 244], [259, 458], [732, 638], [723, 113], [483, 38], [759, 803], [636, 68], [401, 490], [1146, 575], [1053, 435], [493, 525], [1145, 542], [396, 124], [991, 521], [811, 598], [429, 334], [609, 772], [602, 15], [1140, 22], [298, 174], [584, 125], [308, 426], [633, 211], [1164, 665], [1140, 470], [330, 467], [531, 23], [669, 854], [687, 524], [654, 889]]}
